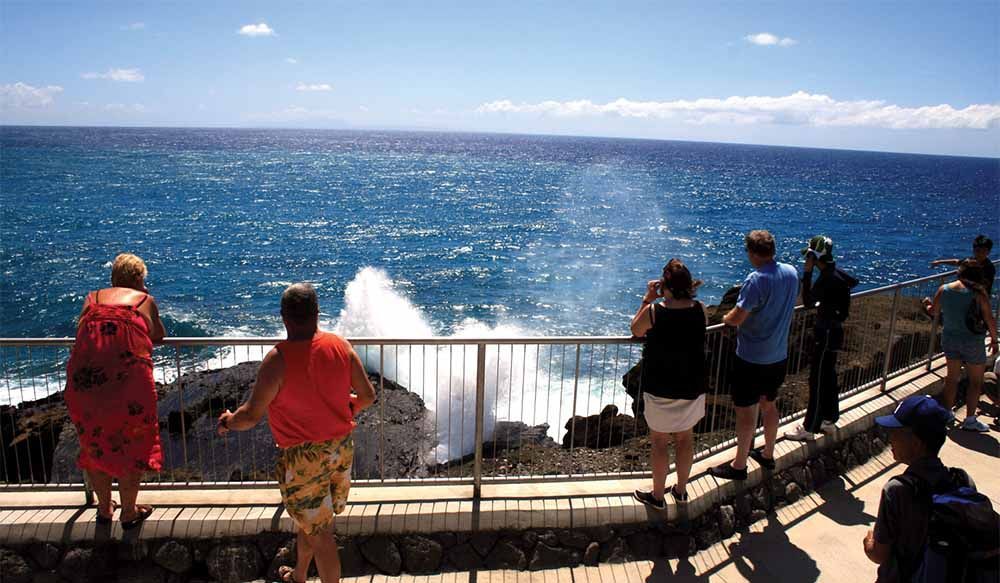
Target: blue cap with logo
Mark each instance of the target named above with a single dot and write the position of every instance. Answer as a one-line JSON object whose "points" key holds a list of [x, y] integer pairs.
{"points": [[920, 413]]}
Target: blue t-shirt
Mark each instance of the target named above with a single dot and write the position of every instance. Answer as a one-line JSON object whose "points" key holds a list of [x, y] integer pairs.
{"points": [[769, 295]]}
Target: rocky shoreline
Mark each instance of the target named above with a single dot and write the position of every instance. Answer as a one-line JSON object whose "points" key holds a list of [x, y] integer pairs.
{"points": [[395, 439]]}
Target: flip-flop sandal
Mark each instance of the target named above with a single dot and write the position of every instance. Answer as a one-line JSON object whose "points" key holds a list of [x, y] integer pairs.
{"points": [[287, 574], [106, 520], [141, 515]]}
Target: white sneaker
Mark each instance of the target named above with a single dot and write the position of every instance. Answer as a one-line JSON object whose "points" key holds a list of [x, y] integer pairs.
{"points": [[828, 427], [800, 434], [974, 424]]}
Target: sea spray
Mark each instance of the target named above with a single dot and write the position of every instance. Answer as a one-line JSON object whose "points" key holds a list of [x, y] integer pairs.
{"points": [[523, 381]]}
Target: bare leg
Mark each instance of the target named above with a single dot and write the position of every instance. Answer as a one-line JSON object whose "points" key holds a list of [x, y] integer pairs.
{"points": [[684, 452], [975, 388], [660, 460], [128, 488], [746, 424], [303, 556], [769, 414], [327, 558], [101, 483], [951, 382]]}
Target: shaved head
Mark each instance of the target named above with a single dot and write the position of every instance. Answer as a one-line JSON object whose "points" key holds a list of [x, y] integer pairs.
{"points": [[299, 304]]}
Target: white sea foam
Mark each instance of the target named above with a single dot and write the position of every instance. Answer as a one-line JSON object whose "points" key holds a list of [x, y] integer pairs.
{"points": [[522, 382]]}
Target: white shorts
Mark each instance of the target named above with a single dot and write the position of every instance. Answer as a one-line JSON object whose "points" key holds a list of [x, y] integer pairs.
{"points": [[673, 415]]}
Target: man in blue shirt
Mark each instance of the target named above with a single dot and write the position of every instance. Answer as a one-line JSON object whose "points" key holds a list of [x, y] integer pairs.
{"points": [[762, 316]]}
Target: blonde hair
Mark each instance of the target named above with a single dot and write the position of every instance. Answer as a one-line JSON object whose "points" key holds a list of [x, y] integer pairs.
{"points": [[127, 271]]}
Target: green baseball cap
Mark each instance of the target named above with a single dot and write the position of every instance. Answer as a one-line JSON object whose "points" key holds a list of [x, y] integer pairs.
{"points": [[820, 247]]}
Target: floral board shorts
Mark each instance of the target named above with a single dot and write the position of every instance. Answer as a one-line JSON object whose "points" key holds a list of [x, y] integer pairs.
{"points": [[315, 479]]}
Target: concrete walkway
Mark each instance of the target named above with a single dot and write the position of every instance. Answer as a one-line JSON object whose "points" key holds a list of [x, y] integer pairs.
{"points": [[817, 539]]}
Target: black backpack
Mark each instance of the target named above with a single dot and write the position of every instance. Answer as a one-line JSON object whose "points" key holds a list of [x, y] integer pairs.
{"points": [[963, 536]]}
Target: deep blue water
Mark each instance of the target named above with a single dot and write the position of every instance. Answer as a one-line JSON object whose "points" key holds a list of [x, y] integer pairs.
{"points": [[548, 234]]}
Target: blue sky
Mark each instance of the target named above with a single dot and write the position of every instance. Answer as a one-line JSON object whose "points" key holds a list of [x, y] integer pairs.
{"points": [[918, 77]]}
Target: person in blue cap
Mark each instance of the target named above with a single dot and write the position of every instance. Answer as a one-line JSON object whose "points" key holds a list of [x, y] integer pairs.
{"points": [[917, 431]]}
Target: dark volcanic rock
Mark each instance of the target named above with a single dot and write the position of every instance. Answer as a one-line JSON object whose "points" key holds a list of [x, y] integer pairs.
{"points": [[464, 558], [592, 555], [483, 542], [138, 573], [605, 429], [614, 551], [506, 555], [13, 567], [233, 562], [727, 521], [573, 539], [643, 545], [510, 435], [547, 557], [45, 555], [85, 565], [250, 455], [174, 557], [421, 555], [383, 553]]}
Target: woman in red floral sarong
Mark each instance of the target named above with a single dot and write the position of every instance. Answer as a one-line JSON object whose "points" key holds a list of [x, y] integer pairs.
{"points": [[110, 392]]}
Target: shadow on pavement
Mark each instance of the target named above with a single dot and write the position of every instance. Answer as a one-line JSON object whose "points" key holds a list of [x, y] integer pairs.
{"points": [[769, 556], [684, 573], [841, 506], [983, 443]]}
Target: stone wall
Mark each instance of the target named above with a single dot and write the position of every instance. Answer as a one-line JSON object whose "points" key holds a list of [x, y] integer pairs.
{"points": [[248, 559]]}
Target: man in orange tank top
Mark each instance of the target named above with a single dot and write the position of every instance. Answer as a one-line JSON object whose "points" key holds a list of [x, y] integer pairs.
{"points": [[311, 386]]}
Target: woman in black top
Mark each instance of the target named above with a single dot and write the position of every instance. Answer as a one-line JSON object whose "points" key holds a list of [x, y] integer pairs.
{"points": [[673, 375]]}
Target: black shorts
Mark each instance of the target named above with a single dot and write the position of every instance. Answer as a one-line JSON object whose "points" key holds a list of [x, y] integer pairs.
{"points": [[748, 382]]}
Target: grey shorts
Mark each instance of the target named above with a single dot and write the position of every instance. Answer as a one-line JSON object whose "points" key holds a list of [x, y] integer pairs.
{"points": [[970, 350]]}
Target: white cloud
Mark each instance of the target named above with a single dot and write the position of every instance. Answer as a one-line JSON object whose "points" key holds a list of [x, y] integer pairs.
{"points": [[122, 75], [134, 26], [313, 87], [363, 108], [766, 39], [261, 29], [291, 61], [799, 108], [125, 108], [23, 96]]}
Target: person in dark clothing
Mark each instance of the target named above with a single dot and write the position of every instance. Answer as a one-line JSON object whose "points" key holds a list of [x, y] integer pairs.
{"points": [[917, 432], [981, 247], [831, 296], [674, 373]]}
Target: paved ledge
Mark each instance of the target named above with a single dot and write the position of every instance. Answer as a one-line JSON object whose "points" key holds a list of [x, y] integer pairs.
{"points": [[59, 516], [816, 539]]}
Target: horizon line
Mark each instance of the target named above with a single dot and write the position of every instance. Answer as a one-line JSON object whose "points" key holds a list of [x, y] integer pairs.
{"points": [[405, 129]]}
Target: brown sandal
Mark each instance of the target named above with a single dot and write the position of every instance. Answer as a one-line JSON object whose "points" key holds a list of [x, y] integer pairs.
{"points": [[142, 513], [287, 574], [106, 520]]}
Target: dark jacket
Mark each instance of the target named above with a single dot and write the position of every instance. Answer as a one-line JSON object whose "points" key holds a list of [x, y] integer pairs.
{"points": [[832, 291]]}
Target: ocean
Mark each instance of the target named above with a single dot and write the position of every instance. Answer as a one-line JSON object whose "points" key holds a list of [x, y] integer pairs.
{"points": [[437, 234], [420, 233]]}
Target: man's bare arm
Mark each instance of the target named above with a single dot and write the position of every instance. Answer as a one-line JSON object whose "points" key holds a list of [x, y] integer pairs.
{"points": [[937, 262], [735, 317], [269, 378], [364, 392]]}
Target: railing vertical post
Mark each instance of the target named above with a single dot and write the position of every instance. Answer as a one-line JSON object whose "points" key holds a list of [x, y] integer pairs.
{"points": [[889, 341], [381, 412], [180, 406], [935, 322], [477, 470], [576, 384]]}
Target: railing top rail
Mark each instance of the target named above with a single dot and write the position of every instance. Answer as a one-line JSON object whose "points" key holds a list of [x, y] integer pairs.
{"points": [[444, 341]]}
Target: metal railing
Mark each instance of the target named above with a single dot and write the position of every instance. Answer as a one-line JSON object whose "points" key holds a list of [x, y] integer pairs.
{"points": [[465, 410]]}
